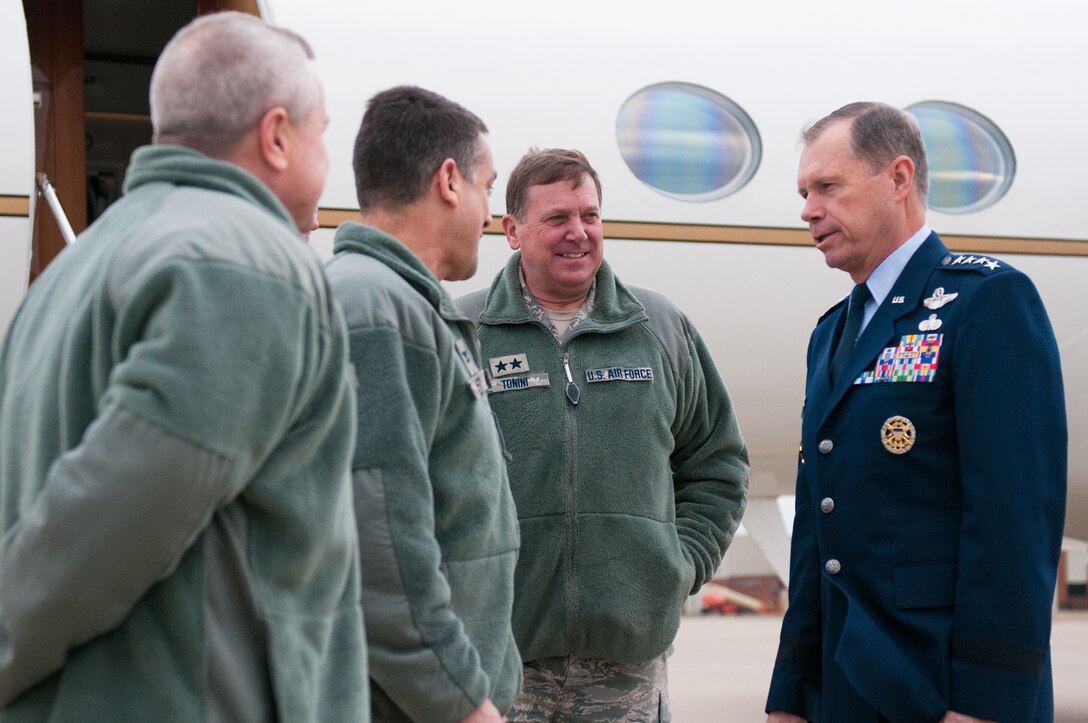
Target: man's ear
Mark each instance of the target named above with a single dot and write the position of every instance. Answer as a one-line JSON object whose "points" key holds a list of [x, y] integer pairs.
{"points": [[510, 228], [902, 175], [273, 138], [447, 180]]}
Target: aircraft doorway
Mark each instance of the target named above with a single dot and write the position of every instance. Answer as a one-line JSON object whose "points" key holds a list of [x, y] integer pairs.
{"points": [[91, 62]]}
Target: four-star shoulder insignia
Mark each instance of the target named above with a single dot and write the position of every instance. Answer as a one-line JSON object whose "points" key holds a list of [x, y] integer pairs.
{"points": [[970, 261]]}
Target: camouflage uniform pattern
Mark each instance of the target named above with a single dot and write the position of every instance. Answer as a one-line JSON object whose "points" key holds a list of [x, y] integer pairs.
{"points": [[541, 314], [584, 690]]}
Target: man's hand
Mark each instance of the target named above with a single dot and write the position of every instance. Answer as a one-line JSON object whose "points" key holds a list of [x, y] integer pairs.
{"points": [[486, 713], [777, 716], [953, 717]]}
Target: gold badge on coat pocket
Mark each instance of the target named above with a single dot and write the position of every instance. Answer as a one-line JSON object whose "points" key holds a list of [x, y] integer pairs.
{"points": [[898, 435]]}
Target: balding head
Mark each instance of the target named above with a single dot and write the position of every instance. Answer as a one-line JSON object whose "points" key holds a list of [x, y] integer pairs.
{"points": [[218, 76]]}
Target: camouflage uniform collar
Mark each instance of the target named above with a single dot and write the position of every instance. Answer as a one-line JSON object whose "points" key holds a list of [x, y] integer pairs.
{"points": [[541, 314]]}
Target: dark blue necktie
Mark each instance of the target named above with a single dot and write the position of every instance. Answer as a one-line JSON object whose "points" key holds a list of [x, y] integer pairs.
{"points": [[854, 314]]}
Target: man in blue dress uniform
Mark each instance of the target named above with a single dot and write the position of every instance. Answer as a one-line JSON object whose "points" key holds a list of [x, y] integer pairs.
{"points": [[931, 482]]}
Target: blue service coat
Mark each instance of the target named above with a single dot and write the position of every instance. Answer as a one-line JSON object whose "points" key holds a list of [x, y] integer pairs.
{"points": [[930, 502]]}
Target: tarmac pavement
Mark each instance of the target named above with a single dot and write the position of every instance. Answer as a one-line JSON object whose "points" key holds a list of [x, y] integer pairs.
{"points": [[721, 668]]}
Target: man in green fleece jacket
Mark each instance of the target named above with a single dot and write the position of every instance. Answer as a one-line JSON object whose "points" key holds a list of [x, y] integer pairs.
{"points": [[629, 471], [177, 422], [437, 528]]}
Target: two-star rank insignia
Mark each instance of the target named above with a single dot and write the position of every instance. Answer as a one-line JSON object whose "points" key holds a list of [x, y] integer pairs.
{"points": [[501, 366], [477, 382]]}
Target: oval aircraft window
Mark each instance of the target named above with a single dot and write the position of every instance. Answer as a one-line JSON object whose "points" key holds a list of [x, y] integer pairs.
{"points": [[971, 162], [688, 142]]}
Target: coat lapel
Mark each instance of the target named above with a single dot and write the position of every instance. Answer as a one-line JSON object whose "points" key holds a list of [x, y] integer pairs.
{"points": [[819, 386], [881, 328]]}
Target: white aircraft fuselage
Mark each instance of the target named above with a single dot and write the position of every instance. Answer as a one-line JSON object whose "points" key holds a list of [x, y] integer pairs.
{"points": [[742, 266]]}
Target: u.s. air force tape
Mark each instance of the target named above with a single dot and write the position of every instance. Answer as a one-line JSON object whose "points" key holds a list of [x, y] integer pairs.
{"points": [[620, 374], [508, 384]]}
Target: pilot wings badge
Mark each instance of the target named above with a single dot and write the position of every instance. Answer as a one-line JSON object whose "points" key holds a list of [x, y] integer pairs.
{"points": [[939, 298]]}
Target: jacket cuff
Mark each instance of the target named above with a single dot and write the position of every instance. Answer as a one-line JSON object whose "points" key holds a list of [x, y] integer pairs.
{"points": [[792, 693], [993, 693]]}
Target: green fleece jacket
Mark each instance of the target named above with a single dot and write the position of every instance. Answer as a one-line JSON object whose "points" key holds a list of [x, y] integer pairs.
{"points": [[175, 500], [626, 500], [437, 527]]}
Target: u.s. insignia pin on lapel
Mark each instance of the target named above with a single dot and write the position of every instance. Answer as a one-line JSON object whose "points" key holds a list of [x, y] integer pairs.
{"points": [[898, 435]]}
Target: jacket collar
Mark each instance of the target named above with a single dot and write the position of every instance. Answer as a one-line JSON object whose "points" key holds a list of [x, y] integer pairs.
{"points": [[911, 287], [614, 307], [354, 237], [187, 167]]}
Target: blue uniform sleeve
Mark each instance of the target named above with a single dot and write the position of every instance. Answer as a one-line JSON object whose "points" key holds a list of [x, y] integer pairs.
{"points": [[1010, 421]]}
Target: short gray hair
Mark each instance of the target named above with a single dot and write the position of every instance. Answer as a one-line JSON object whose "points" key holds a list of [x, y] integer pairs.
{"points": [[879, 133], [221, 73]]}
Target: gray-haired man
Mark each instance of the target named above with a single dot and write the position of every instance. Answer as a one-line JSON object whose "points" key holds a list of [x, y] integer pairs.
{"points": [[175, 504]]}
